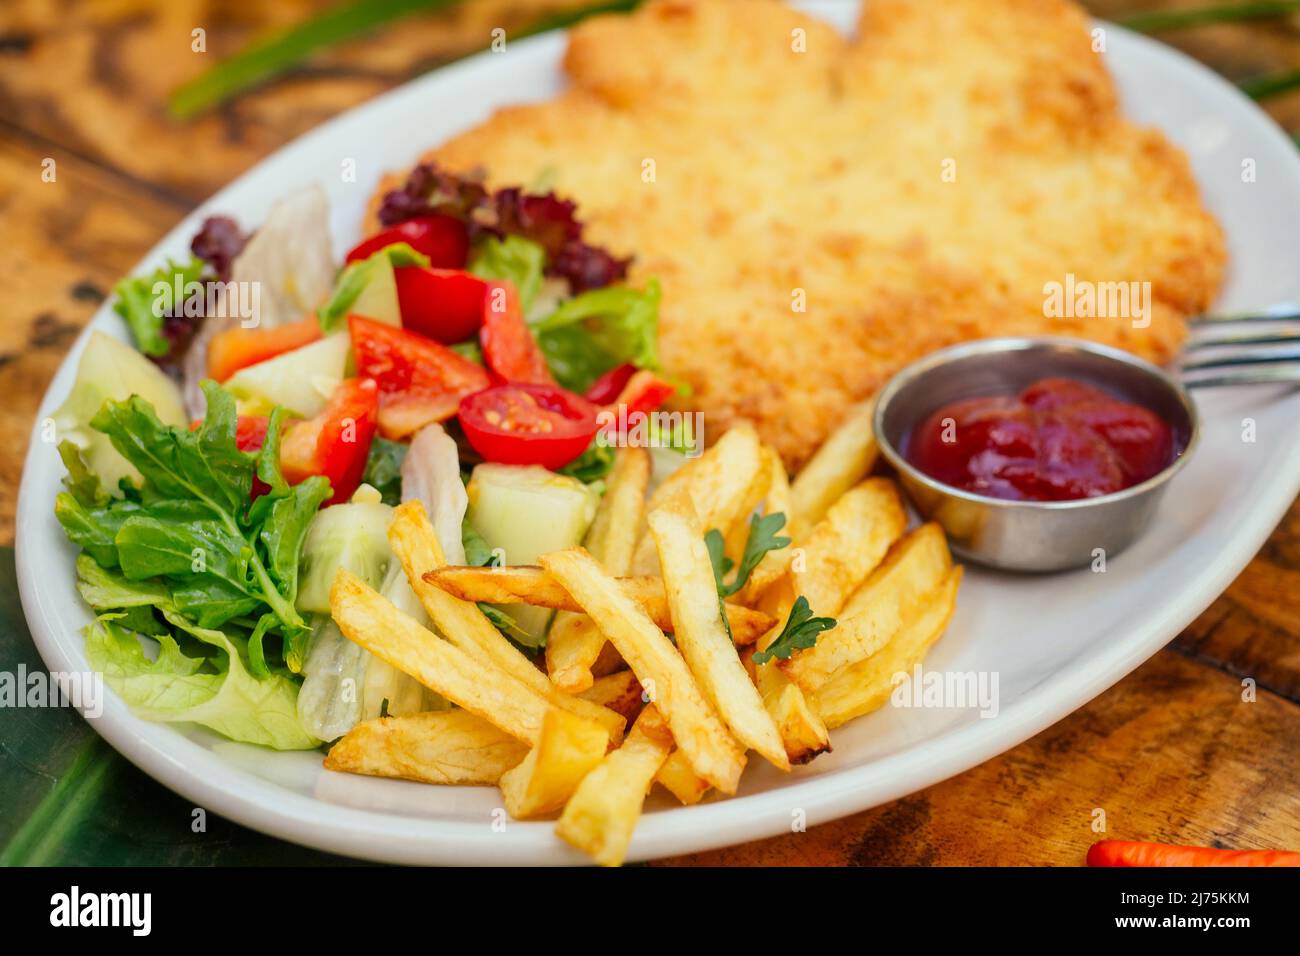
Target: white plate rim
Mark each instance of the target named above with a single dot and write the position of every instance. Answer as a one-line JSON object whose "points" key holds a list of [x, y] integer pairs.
{"points": [[204, 778]]}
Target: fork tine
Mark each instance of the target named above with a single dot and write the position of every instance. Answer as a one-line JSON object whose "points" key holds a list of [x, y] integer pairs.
{"points": [[1243, 359], [1281, 312], [1246, 375]]}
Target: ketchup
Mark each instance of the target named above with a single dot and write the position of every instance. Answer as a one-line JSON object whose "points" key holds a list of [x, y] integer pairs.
{"points": [[1058, 440]]}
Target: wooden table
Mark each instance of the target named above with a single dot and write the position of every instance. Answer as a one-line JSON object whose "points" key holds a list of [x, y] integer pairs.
{"points": [[1171, 753]]}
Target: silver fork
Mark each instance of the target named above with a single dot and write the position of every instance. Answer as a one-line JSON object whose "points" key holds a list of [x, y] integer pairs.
{"points": [[1245, 348]]}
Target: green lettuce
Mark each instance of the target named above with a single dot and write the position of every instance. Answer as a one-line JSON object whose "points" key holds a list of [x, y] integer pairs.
{"points": [[512, 258], [594, 332]]}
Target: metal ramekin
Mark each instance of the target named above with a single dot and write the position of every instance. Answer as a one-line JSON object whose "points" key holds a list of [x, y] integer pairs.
{"points": [[1030, 535]]}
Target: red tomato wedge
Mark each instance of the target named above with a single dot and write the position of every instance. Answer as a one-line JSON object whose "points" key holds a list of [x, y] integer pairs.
{"points": [[443, 239], [336, 443], [1135, 853], [419, 380], [522, 424], [445, 305], [237, 348], [607, 388], [509, 348], [643, 393]]}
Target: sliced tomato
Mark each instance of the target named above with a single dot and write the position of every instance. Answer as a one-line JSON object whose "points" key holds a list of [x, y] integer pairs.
{"points": [[607, 388], [237, 348], [445, 305], [643, 392], [442, 238], [509, 348], [522, 424], [336, 443], [419, 380]]}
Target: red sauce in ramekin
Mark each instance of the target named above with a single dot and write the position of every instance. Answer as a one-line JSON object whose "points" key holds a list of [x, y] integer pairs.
{"points": [[1058, 440]]}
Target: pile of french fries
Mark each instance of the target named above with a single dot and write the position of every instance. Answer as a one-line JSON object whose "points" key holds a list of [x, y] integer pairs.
{"points": [[621, 704]]}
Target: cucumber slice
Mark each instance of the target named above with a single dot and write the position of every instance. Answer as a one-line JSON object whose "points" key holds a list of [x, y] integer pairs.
{"points": [[523, 512], [352, 536], [301, 380]]}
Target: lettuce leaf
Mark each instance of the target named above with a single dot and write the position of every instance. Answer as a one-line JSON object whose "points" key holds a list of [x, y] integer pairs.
{"points": [[592, 333], [512, 258], [218, 693]]}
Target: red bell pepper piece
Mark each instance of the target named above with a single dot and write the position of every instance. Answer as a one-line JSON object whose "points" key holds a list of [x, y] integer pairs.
{"points": [[336, 443], [419, 380], [509, 348], [1134, 853], [443, 239], [237, 347], [445, 305]]}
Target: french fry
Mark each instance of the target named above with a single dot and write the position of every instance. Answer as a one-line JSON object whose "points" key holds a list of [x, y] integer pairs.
{"points": [[525, 584], [681, 780], [602, 813], [660, 669], [574, 643], [844, 459], [446, 746], [570, 747], [701, 635], [413, 541], [866, 685], [802, 729], [716, 485], [913, 569], [369, 619], [847, 545], [620, 692]]}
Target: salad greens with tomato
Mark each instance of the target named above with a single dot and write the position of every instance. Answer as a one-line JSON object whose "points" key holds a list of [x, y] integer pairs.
{"points": [[221, 471]]}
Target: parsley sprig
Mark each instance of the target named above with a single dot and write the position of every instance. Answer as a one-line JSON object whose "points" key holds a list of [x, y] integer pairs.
{"points": [[800, 631], [762, 538]]}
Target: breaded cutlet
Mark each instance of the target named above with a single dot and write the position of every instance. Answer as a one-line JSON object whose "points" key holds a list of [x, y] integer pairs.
{"points": [[821, 211]]}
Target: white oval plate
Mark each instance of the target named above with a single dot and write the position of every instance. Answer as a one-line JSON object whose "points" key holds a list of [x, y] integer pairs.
{"points": [[1053, 642]]}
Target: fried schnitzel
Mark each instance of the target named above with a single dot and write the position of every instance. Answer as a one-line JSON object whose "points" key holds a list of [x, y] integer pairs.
{"points": [[821, 211]]}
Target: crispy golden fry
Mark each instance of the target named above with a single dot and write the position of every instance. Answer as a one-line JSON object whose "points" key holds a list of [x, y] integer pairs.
{"points": [[658, 666], [681, 780], [601, 815], [716, 484], [464, 625], [570, 747], [802, 730], [445, 746], [913, 569], [574, 643], [847, 545], [525, 584], [369, 619], [702, 637], [864, 686], [620, 692], [735, 534], [844, 459], [776, 500]]}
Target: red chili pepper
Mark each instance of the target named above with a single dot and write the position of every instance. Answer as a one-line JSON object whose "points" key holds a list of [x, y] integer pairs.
{"points": [[522, 424], [442, 238], [419, 380], [509, 348], [445, 305], [336, 443], [1134, 853]]}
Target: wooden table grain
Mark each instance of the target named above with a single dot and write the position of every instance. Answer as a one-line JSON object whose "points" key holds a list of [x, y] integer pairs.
{"points": [[1199, 745]]}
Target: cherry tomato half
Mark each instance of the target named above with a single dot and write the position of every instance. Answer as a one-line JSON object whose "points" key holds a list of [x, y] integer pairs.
{"points": [[520, 424], [445, 305], [509, 348], [443, 239]]}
